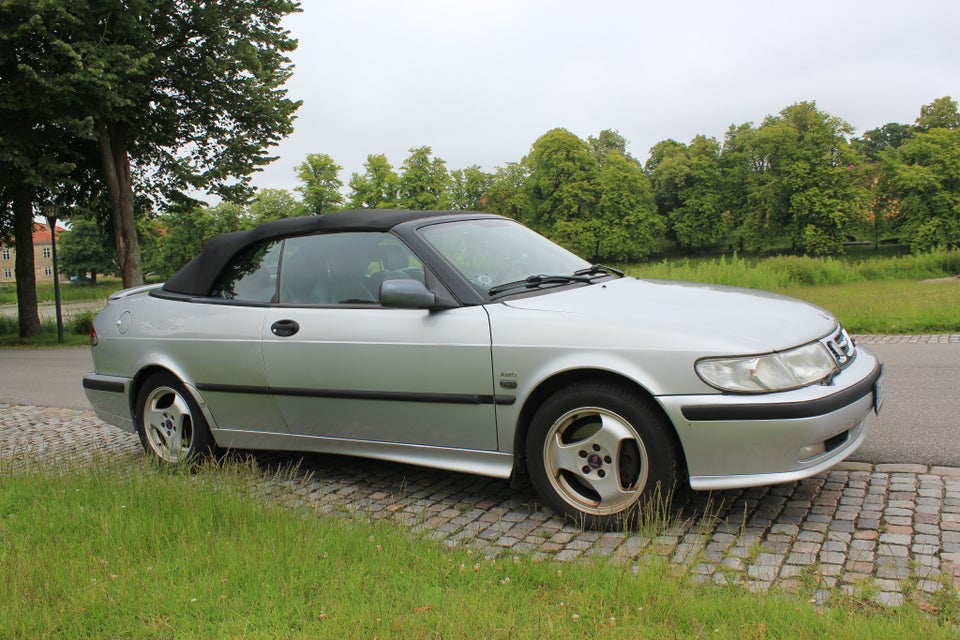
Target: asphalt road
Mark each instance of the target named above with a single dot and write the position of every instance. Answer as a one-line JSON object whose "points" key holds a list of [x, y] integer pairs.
{"points": [[919, 423], [920, 419]]}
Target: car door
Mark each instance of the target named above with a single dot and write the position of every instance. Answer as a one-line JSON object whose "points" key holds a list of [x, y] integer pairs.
{"points": [[341, 366], [221, 339]]}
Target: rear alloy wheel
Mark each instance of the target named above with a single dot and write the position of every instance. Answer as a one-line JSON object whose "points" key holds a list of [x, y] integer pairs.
{"points": [[169, 422], [597, 454]]}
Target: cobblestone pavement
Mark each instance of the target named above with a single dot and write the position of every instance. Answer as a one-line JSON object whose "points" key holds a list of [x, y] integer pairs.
{"points": [[883, 531]]}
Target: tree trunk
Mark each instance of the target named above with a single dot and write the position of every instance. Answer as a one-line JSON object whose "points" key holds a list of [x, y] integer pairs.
{"points": [[115, 163], [25, 269]]}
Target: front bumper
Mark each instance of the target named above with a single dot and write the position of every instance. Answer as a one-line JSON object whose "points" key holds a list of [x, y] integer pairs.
{"points": [[732, 441]]}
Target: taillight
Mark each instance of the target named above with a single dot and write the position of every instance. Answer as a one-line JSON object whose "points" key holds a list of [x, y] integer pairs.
{"points": [[93, 336]]}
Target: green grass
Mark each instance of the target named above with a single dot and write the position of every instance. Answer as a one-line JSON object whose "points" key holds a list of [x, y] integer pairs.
{"points": [[889, 307], [780, 272], [69, 291], [123, 550], [872, 295], [76, 332]]}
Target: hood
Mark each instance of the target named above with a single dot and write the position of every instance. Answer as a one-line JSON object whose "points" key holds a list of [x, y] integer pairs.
{"points": [[700, 316]]}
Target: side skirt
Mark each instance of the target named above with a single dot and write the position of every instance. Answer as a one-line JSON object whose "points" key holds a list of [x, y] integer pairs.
{"points": [[485, 463]]}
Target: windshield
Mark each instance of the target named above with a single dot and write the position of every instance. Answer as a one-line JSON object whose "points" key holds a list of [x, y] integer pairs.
{"points": [[493, 252]]}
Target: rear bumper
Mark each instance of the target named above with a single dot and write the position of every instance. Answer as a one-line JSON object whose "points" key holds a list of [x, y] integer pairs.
{"points": [[110, 397], [732, 441]]}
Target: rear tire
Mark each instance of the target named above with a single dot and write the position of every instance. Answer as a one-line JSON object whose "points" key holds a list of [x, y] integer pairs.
{"points": [[598, 454], [169, 421]]}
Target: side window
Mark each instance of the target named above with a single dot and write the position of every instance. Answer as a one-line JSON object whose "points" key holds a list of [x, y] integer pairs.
{"points": [[251, 276], [343, 268]]}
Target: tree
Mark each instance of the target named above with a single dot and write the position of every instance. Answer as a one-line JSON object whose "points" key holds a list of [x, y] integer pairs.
{"points": [[507, 193], [273, 204], [186, 228], [468, 187], [817, 193], [698, 222], [924, 174], [890, 136], [85, 249], [38, 133], [319, 183], [624, 224], [376, 187], [606, 141], [562, 179], [942, 113], [797, 168], [424, 181], [668, 166], [187, 92]]}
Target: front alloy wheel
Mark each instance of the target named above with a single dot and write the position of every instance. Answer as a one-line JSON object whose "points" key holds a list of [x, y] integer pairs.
{"points": [[596, 453]]}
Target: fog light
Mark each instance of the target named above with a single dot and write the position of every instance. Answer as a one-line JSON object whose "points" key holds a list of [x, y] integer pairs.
{"points": [[811, 451]]}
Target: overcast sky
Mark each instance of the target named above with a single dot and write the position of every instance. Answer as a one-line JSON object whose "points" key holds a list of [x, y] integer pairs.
{"points": [[480, 80]]}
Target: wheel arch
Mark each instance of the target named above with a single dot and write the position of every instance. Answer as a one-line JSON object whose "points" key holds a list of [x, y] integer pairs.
{"points": [[554, 383], [146, 372]]}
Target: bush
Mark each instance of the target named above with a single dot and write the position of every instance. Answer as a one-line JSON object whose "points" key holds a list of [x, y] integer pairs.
{"points": [[9, 326], [79, 325]]}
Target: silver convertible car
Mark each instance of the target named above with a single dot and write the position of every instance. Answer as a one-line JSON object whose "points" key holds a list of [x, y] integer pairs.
{"points": [[466, 341]]}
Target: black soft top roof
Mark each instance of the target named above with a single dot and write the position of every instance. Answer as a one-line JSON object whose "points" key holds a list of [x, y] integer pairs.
{"points": [[197, 276]]}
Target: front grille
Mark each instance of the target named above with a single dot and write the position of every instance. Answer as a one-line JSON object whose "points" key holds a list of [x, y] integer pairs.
{"points": [[841, 346]]}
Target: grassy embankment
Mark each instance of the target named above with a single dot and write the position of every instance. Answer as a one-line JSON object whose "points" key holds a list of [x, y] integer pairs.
{"points": [[119, 549], [76, 325], [871, 295]]}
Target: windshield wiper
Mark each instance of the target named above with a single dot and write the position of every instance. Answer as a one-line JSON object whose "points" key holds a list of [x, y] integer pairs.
{"points": [[598, 269], [536, 280]]}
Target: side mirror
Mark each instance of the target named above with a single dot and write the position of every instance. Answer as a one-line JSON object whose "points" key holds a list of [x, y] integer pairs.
{"points": [[406, 294]]}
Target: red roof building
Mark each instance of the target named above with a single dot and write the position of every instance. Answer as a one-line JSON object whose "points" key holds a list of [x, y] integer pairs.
{"points": [[42, 255]]}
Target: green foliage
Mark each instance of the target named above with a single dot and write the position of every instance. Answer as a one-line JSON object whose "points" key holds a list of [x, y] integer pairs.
{"points": [[688, 183], [890, 136], [319, 183], [85, 248], [606, 141], [782, 272], [9, 326], [74, 334], [79, 324], [942, 113], [375, 188], [624, 225], [424, 182], [190, 94], [468, 188], [506, 195], [183, 232], [562, 180], [273, 204], [924, 174]]}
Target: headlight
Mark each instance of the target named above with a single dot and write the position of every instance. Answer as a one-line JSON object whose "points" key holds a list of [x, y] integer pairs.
{"points": [[792, 369]]}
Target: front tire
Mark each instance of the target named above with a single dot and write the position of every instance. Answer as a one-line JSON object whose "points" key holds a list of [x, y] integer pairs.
{"points": [[169, 421], [598, 453]]}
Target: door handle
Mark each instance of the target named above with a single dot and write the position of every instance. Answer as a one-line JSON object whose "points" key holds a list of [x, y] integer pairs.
{"points": [[284, 328]]}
